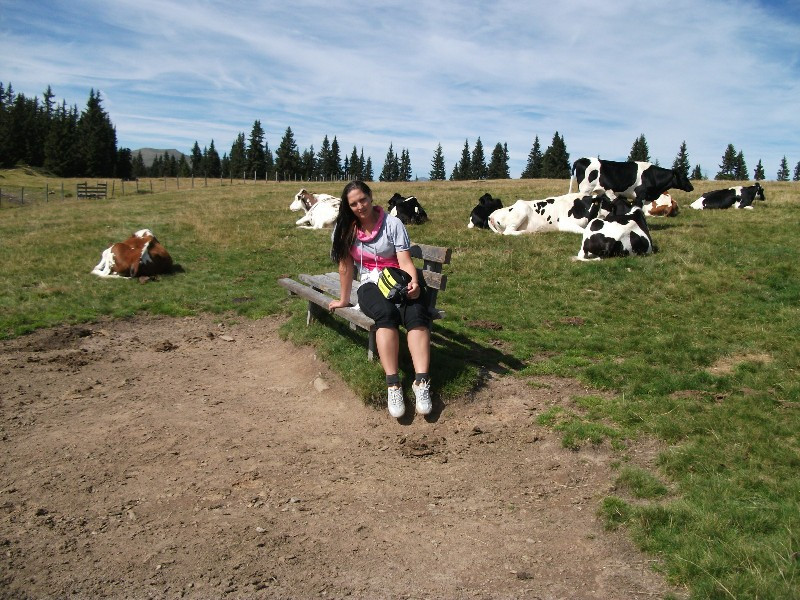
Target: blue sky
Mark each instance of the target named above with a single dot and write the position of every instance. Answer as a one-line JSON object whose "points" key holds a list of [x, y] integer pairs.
{"points": [[419, 73]]}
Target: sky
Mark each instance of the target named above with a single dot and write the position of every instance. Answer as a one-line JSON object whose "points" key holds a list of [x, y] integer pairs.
{"points": [[415, 74]]}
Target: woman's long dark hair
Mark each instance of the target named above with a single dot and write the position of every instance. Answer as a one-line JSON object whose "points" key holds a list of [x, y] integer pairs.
{"points": [[344, 231]]}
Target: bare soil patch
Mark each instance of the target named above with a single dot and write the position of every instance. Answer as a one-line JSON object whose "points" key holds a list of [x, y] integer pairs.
{"points": [[160, 457]]}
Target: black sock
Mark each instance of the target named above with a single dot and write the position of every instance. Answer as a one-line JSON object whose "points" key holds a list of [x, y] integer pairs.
{"points": [[421, 377], [392, 380]]}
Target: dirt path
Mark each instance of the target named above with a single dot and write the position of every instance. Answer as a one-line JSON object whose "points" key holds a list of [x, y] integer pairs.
{"points": [[166, 458]]}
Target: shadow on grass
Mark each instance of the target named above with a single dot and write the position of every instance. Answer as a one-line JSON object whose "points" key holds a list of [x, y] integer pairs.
{"points": [[458, 363]]}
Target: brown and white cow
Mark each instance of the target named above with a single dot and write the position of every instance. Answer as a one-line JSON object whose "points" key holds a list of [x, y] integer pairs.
{"points": [[141, 255], [321, 210], [663, 206]]}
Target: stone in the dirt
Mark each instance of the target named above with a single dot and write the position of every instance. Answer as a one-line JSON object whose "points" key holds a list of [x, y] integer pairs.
{"points": [[320, 385]]}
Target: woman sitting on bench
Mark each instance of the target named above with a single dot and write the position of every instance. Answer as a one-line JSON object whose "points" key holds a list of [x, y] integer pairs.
{"points": [[367, 238]]}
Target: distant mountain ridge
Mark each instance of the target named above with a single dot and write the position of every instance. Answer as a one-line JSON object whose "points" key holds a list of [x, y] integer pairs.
{"points": [[150, 154]]}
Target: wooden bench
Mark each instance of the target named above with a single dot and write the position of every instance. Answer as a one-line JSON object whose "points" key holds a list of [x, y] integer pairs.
{"points": [[98, 190], [319, 290]]}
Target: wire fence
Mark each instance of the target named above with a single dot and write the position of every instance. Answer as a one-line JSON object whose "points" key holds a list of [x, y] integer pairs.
{"points": [[16, 196]]}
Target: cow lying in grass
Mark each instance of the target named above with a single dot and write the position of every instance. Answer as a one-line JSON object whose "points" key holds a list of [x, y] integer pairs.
{"points": [[738, 197], [570, 212], [141, 255], [616, 235], [479, 217], [321, 209]]}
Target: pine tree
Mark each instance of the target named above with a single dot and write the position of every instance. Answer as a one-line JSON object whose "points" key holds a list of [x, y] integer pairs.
{"points": [[196, 159], [138, 168], [697, 173], [123, 165], [256, 164], [308, 163], [533, 169], [498, 165], [171, 165], [740, 170], [438, 172], [269, 161], [324, 159], [185, 171], [213, 164], [639, 150], [796, 172], [727, 169], [405, 166], [224, 163], [681, 162], [238, 162], [335, 160], [555, 161], [783, 172], [97, 139], [355, 165], [758, 173], [478, 161], [391, 167], [463, 168], [61, 156], [287, 157], [368, 173]]}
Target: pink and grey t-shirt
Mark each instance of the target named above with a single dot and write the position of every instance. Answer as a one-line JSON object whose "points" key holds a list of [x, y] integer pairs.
{"points": [[379, 249]]}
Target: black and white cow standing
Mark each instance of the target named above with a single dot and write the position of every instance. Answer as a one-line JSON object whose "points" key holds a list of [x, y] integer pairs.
{"points": [[408, 210], [616, 235], [479, 217], [738, 196], [640, 182]]}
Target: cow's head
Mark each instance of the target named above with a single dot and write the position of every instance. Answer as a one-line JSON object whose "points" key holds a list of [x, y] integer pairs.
{"points": [[395, 200], [303, 200], [682, 181], [759, 192]]}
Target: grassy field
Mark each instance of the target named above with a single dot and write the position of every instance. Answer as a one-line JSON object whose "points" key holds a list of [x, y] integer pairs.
{"points": [[694, 346]]}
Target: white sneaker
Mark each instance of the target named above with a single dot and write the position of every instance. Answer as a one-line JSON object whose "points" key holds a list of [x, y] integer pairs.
{"points": [[397, 407], [422, 391]]}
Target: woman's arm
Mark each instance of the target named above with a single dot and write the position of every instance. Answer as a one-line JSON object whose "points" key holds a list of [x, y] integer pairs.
{"points": [[404, 258], [345, 283]]}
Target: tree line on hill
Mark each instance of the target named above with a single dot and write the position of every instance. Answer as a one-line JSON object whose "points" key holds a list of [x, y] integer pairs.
{"points": [[69, 143]]}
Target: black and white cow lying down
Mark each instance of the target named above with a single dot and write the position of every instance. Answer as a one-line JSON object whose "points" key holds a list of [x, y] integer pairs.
{"points": [[479, 217], [638, 181], [570, 212], [408, 210], [738, 196], [616, 235]]}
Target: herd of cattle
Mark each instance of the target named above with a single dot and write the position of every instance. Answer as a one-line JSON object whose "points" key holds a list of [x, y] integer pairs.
{"points": [[609, 210]]}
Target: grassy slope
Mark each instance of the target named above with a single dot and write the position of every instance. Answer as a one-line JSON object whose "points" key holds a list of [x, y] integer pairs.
{"points": [[722, 290]]}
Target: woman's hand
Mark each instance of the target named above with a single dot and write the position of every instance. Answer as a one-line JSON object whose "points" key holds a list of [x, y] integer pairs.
{"points": [[414, 290], [337, 304]]}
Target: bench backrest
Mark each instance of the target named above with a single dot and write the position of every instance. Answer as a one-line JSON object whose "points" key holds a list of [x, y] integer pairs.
{"points": [[433, 258]]}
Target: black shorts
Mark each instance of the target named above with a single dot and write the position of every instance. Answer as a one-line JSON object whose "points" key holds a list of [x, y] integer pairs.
{"points": [[410, 314]]}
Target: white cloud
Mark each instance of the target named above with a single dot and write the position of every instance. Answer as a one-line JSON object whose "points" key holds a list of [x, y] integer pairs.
{"points": [[416, 74]]}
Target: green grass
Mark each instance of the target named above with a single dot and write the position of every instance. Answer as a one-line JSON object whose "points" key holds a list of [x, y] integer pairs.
{"points": [[695, 346]]}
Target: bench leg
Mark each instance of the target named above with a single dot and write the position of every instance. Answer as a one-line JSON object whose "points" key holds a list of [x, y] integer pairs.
{"points": [[372, 346], [313, 312]]}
